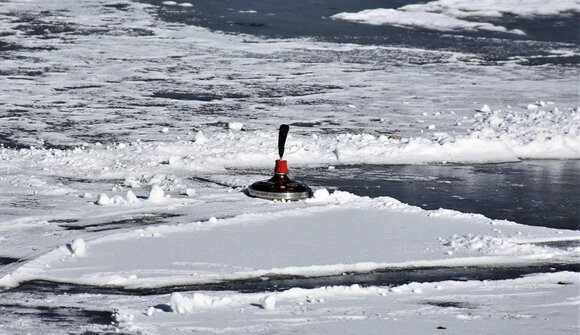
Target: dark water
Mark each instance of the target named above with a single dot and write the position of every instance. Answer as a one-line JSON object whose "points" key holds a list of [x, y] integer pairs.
{"points": [[538, 193], [310, 18], [382, 277]]}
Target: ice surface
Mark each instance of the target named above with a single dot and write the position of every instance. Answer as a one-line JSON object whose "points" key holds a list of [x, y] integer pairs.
{"points": [[156, 194], [88, 89], [78, 247], [235, 125], [426, 20], [339, 233], [474, 307], [103, 199], [454, 15], [107, 99], [268, 302], [491, 8], [496, 136]]}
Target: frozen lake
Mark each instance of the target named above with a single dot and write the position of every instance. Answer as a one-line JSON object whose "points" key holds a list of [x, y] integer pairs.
{"points": [[447, 132]]}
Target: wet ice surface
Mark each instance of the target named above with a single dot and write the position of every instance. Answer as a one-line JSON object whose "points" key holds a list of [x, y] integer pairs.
{"points": [[76, 73], [539, 193]]}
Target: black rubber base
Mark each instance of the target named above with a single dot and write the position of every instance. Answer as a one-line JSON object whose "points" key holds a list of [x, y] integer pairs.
{"points": [[279, 187]]}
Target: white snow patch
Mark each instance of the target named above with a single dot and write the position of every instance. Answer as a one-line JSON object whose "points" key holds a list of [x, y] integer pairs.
{"points": [[485, 109], [200, 138], [103, 200], [425, 20], [156, 194], [497, 8], [532, 107], [132, 182], [452, 15], [180, 304], [131, 197], [234, 125], [268, 302], [321, 194]]}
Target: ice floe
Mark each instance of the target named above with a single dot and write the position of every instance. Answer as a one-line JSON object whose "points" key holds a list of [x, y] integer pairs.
{"points": [[454, 15], [426, 20], [537, 304], [336, 233]]}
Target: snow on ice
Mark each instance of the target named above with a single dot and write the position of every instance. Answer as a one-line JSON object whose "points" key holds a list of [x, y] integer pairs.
{"points": [[453, 15], [325, 238], [70, 199], [234, 125], [416, 308], [78, 247], [427, 20], [156, 194], [496, 136]]}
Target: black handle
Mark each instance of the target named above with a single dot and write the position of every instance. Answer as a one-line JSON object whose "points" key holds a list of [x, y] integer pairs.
{"points": [[282, 138]]}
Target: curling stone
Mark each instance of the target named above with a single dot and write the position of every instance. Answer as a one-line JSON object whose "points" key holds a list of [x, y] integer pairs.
{"points": [[280, 186]]}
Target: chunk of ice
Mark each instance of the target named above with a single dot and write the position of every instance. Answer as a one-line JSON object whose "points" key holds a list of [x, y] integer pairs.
{"points": [[180, 304], [103, 200], [78, 247], [235, 125], [156, 193], [485, 109], [268, 302]]}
